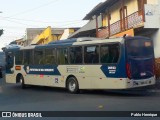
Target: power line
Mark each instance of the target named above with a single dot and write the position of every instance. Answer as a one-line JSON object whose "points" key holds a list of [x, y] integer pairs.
{"points": [[32, 9], [17, 22], [41, 21]]}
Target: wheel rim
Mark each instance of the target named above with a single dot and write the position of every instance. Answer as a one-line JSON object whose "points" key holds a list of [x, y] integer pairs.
{"points": [[21, 81], [72, 85]]}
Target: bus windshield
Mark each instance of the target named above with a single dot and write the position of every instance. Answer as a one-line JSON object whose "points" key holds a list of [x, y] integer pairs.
{"points": [[139, 48]]}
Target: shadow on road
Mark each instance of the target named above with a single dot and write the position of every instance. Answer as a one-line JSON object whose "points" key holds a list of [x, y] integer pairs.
{"points": [[122, 93]]}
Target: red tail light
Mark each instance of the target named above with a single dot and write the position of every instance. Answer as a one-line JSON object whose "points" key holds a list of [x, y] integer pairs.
{"points": [[128, 70]]}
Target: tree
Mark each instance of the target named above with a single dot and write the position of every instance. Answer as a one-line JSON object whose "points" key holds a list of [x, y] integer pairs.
{"points": [[1, 32]]}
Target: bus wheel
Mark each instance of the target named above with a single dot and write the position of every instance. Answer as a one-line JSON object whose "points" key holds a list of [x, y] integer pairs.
{"points": [[22, 82], [72, 85]]}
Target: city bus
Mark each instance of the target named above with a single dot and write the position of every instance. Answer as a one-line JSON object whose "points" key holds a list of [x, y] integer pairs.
{"points": [[84, 63]]}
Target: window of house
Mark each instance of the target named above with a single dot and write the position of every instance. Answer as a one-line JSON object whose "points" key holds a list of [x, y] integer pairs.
{"points": [[141, 4], [123, 17]]}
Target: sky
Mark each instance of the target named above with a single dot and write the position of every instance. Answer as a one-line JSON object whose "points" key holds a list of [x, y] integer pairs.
{"points": [[17, 15]]}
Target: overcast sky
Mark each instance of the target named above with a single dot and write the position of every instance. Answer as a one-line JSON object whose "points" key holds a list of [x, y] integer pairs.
{"points": [[17, 15]]}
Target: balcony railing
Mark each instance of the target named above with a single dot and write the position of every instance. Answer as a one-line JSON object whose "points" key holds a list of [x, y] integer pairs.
{"points": [[131, 21]]}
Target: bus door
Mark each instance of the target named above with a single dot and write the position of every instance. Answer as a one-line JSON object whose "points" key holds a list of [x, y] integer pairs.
{"points": [[140, 58], [9, 62]]}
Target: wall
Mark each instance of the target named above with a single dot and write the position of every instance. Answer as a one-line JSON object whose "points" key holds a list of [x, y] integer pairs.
{"points": [[156, 36], [132, 6], [65, 34], [152, 1], [156, 40], [114, 11]]}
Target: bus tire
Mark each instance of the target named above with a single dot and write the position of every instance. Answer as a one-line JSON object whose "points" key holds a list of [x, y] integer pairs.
{"points": [[22, 82], [72, 85]]}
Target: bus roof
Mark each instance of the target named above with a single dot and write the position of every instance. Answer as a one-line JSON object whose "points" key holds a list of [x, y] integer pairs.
{"points": [[75, 41]]}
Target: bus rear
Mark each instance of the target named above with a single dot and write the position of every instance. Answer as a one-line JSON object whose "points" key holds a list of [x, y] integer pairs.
{"points": [[139, 61]]}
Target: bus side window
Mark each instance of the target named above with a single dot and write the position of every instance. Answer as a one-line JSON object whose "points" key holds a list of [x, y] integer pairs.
{"points": [[114, 52], [62, 56], [105, 54], [110, 53], [76, 55], [50, 57], [38, 57], [91, 54], [28, 58], [18, 57]]}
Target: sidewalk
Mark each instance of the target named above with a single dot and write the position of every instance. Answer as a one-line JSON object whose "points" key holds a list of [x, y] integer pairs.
{"points": [[157, 85]]}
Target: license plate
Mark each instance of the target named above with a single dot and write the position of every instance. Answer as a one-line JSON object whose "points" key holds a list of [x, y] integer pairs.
{"points": [[143, 74]]}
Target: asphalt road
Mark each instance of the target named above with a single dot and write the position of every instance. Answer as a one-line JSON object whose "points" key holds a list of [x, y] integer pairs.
{"points": [[13, 98]]}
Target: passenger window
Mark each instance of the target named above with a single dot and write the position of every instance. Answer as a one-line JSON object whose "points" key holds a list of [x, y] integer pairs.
{"points": [[76, 55], [114, 52], [91, 54], [28, 59], [38, 57], [105, 54], [50, 57], [19, 57], [109, 53], [62, 56]]}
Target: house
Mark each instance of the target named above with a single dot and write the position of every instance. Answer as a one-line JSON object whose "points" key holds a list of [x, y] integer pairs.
{"points": [[116, 18], [45, 35], [33, 33]]}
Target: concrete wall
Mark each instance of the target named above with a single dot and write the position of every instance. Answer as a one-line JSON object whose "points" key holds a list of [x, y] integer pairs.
{"points": [[156, 40], [132, 6], [152, 1], [156, 36]]}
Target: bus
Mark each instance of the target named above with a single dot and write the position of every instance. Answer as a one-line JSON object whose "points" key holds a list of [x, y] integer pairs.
{"points": [[84, 63], [2, 63]]}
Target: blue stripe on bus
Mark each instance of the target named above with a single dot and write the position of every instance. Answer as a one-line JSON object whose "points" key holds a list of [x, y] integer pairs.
{"points": [[42, 69], [116, 70]]}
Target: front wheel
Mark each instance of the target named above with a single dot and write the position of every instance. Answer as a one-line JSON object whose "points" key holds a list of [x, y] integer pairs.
{"points": [[72, 85]]}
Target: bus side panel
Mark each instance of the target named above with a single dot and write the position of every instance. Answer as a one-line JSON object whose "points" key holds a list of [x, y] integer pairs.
{"points": [[99, 80], [43, 76], [92, 77], [10, 78], [77, 71]]}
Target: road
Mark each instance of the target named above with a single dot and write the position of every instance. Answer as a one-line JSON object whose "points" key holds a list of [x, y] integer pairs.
{"points": [[13, 98]]}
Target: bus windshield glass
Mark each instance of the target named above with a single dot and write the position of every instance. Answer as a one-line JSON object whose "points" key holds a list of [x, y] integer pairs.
{"points": [[139, 48]]}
